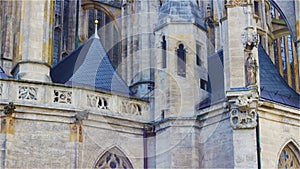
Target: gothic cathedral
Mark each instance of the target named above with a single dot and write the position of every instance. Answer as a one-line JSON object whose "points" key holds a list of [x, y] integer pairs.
{"points": [[150, 84]]}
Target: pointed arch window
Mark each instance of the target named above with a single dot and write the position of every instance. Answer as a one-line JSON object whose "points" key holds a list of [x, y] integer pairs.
{"points": [[114, 159], [181, 61], [289, 157], [164, 52]]}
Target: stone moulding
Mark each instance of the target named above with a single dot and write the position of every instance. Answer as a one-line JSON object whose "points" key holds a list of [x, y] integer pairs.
{"points": [[234, 3], [243, 108]]}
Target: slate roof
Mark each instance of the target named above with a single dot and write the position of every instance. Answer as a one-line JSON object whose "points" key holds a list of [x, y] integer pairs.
{"points": [[89, 66], [2, 74], [273, 86]]}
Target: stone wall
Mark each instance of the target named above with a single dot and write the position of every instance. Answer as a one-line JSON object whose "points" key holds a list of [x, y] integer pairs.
{"points": [[40, 132], [215, 138], [278, 126]]}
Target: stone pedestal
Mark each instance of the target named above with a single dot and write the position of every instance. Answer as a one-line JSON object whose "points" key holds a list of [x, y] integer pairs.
{"points": [[243, 118]]}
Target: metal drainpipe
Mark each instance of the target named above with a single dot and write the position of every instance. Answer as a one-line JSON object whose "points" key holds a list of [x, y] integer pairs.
{"points": [[258, 143], [145, 136]]}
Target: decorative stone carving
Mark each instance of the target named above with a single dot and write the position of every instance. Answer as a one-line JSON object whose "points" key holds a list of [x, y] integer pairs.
{"points": [[27, 93], [61, 96], [233, 3], [250, 38], [251, 70], [97, 101], [131, 108], [243, 111]]}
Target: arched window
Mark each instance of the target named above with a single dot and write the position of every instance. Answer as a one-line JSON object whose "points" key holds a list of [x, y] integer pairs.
{"points": [[61, 30], [164, 52], [114, 159], [181, 61], [289, 157]]}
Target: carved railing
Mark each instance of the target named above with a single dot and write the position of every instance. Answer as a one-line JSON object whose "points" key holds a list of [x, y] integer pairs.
{"points": [[73, 98]]}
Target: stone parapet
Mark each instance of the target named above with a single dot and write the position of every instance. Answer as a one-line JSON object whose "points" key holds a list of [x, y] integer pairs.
{"points": [[62, 98]]}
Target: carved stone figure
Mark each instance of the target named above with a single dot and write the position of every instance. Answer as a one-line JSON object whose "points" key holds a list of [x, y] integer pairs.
{"points": [[243, 111], [251, 70]]}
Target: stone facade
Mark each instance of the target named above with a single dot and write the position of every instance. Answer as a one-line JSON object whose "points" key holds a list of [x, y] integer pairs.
{"points": [[162, 51]]}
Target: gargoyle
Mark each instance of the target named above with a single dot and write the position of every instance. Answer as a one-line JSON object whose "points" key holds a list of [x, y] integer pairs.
{"points": [[9, 109], [82, 115]]}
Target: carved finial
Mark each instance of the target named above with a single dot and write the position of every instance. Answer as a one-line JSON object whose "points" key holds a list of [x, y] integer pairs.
{"points": [[9, 109], [96, 29]]}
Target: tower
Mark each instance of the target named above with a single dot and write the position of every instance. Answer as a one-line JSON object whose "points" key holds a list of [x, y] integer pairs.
{"points": [[181, 82], [181, 77]]}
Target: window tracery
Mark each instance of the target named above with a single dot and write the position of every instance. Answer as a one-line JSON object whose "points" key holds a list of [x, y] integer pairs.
{"points": [[112, 159], [288, 159]]}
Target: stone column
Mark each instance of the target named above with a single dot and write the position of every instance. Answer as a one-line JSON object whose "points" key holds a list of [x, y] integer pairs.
{"points": [[243, 114], [35, 43]]}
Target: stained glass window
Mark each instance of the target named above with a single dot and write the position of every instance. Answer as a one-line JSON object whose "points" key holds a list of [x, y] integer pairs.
{"points": [[112, 159], [288, 159]]}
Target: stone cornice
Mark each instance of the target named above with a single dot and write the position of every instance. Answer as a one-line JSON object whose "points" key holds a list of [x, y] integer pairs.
{"points": [[279, 113]]}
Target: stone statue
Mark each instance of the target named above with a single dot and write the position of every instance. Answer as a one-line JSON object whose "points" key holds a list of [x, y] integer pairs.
{"points": [[251, 70]]}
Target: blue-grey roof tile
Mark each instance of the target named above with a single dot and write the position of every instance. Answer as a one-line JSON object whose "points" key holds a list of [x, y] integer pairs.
{"points": [[89, 66], [2, 74], [273, 86]]}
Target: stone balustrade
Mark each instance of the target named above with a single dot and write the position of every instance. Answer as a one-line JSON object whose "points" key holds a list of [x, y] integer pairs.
{"points": [[63, 97]]}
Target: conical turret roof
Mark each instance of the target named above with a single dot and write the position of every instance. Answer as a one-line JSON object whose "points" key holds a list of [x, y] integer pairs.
{"points": [[90, 66]]}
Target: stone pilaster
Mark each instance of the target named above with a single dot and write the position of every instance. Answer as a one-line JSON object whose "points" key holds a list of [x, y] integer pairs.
{"points": [[243, 113], [242, 38], [35, 42]]}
